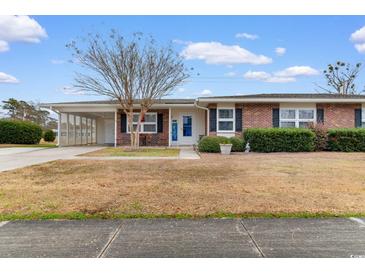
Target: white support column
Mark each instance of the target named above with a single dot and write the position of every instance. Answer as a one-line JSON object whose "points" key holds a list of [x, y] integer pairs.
{"points": [[115, 127], [169, 127], [59, 130]]}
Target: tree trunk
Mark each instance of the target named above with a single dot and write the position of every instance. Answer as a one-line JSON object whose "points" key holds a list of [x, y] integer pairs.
{"points": [[131, 130]]}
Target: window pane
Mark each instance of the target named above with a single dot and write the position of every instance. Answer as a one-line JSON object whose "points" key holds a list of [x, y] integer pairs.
{"points": [[287, 113], [187, 126], [149, 117], [135, 117], [363, 124], [306, 114], [226, 113], [71, 129], [287, 124], [78, 130], [149, 128], [63, 134], [225, 125], [304, 124]]}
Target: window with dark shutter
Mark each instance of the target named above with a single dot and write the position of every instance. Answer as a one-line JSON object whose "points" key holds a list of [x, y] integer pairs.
{"points": [[238, 119], [160, 122], [123, 123], [320, 115], [212, 119], [275, 117], [358, 117]]}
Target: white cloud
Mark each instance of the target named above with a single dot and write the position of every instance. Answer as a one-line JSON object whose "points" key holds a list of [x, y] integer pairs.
{"points": [[257, 75], [20, 28], [276, 79], [230, 74], [360, 47], [283, 76], [9, 79], [247, 36], [206, 92], [180, 90], [280, 51], [4, 46], [57, 61], [72, 91], [358, 37], [218, 53], [297, 71]]}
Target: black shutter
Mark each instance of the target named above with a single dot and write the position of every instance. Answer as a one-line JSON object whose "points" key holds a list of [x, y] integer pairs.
{"points": [[213, 119], [123, 123], [275, 117], [358, 117], [238, 119], [320, 115], [160, 122]]}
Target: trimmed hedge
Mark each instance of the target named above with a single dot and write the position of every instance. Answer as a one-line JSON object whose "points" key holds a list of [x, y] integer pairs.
{"points": [[211, 143], [237, 144], [19, 132], [280, 139], [49, 136], [346, 140]]}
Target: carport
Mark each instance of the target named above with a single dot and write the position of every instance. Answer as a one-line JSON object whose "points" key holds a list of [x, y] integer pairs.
{"points": [[85, 123]]}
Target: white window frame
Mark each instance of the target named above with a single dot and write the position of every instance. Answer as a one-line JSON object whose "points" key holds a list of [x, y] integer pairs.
{"points": [[145, 123], [233, 119], [296, 118], [363, 117]]}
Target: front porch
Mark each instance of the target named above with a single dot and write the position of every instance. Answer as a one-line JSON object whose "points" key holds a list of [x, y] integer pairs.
{"points": [[172, 127]]}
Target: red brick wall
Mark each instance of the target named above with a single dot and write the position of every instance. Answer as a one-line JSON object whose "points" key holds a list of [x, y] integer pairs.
{"points": [[339, 115], [156, 139], [258, 115]]}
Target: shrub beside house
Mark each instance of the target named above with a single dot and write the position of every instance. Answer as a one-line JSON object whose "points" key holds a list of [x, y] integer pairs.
{"points": [[315, 138], [19, 132]]}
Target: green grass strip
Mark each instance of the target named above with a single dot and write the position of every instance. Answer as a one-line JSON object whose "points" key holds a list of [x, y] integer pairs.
{"points": [[84, 216]]}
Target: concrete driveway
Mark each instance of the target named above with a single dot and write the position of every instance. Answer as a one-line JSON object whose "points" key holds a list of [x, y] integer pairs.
{"points": [[330, 237], [17, 157]]}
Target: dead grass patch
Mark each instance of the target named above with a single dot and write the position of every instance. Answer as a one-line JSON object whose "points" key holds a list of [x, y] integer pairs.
{"points": [[127, 152], [329, 183]]}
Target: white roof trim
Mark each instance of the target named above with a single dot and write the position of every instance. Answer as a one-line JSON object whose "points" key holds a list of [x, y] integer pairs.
{"points": [[282, 100]]}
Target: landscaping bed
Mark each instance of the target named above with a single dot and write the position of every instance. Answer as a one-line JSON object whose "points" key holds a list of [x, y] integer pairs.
{"points": [[248, 185], [127, 152]]}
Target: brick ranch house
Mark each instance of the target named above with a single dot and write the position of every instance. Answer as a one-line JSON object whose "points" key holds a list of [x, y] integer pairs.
{"points": [[176, 122]]}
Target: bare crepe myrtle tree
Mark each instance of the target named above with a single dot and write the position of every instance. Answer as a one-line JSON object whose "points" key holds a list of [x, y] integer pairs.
{"points": [[341, 78], [136, 72]]}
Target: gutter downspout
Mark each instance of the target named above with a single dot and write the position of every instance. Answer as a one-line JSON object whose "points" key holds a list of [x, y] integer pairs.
{"points": [[207, 109]]}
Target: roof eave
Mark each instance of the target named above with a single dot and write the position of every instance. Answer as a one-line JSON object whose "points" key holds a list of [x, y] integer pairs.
{"points": [[282, 100]]}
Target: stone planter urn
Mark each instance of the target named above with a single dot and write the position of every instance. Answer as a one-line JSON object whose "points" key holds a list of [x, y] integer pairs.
{"points": [[225, 149]]}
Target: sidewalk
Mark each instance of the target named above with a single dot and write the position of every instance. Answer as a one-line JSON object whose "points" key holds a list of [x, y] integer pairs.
{"points": [[322, 237]]}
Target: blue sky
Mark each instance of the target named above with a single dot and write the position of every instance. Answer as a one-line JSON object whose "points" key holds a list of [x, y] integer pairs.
{"points": [[232, 54]]}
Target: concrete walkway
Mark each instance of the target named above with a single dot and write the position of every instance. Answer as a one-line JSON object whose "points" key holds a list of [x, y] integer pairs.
{"points": [[17, 157], [13, 158], [186, 153], [330, 237]]}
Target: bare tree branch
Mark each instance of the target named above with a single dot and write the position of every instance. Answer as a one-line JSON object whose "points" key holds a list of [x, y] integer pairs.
{"points": [[132, 72]]}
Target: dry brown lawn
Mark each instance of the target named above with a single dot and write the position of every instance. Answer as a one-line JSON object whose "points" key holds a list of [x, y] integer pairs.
{"points": [[255, 183]]}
